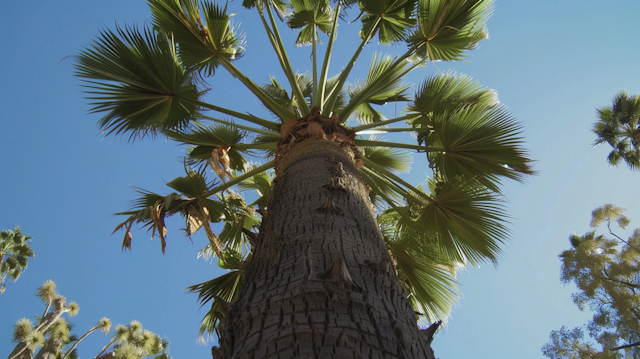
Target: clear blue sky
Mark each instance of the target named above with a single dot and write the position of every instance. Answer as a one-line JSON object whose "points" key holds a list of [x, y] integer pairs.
{"points": [[552, 63]]}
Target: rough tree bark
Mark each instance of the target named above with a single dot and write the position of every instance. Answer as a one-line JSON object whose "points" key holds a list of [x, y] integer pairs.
{"points": [[320, 283]]}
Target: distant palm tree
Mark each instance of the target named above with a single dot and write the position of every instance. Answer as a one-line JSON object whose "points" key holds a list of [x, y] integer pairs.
{"points": [[14, 255], [619, 126]]}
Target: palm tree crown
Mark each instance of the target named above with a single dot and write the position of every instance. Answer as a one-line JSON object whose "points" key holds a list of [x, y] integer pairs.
{"points": [[15, 252], [619, 126], [150, 81]]}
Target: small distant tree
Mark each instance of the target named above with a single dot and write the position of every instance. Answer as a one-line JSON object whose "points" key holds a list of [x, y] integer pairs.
{"points": [[14, 255], [50, 336], [606, 270], [619, 126]]}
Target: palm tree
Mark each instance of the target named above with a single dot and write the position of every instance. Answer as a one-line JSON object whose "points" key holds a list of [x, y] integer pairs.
{"points": [[619, 126], [14, 255], [341, 238]]}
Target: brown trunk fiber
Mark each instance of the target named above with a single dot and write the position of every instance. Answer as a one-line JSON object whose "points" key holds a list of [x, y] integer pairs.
{"points": [[320, 283]]}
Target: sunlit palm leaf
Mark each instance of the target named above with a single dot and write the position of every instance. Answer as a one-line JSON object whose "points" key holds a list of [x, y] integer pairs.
{"points": [[477, 142], [310, 16], [393, 17], [446, 28], [619, 126], [225, 287], [449, 92], [281, 96], [213, 144], [467, 221], [383, 83], [389, 158], [137, 79], [202, 43]]}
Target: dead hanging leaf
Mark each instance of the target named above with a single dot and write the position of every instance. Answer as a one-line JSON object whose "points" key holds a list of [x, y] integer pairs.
{"points": [[126, 242], [206, 219], [157, 217], [220, 162], [2, 289], [193, 221]]}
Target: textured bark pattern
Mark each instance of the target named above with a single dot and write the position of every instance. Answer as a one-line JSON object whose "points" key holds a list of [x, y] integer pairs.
{"points": [[320, 283]]}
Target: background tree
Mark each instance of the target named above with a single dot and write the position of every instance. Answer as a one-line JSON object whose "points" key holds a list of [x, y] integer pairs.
{"points": [[50, 336], [319, 264], [15, 252], [619, 126], [606, 271]]}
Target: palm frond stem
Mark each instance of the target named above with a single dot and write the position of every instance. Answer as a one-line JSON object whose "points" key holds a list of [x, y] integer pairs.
{"points": [[242, 127], [266, 100], [319, 100], [392, 176], [333, 96], [286, 64], [241, 178], [360, 142], [243, 116], [384, 123], [363, 96]]}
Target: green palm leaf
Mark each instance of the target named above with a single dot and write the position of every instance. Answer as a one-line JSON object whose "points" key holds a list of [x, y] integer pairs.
{"points": [[448, 92], [446, 28], [310, 16], [383, 84], [466, 221], [426, 274], [394, 18], [477, 142], [204, 37], [225, 288], [619, 126], [137, 79], [215, 145]]}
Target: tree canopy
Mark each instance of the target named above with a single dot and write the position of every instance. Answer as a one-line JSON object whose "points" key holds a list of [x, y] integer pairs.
{"points": [[606, 270], [152, 81]]}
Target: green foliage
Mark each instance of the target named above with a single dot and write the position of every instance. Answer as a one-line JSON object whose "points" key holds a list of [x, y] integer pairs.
{"points": [[51, 337], [15, 251], [619, 126], [605, 270], [138, 80], [153, 82]]}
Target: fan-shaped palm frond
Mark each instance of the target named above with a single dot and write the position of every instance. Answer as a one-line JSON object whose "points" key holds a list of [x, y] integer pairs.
{"points": [[467, 222], [425, 273], [383, 84], [310, 16], [15, 251], [448, 92], [477, 142], [220, 290], [205, 36], [137, 79], [446, 28], [619, 126], [392, 17]]}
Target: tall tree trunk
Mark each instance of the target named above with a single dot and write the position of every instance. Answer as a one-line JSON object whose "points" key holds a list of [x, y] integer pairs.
{"points": [[320, 283]]}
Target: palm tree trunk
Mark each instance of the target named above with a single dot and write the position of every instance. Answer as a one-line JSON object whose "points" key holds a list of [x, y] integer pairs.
{"points": [[320, 282]]}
